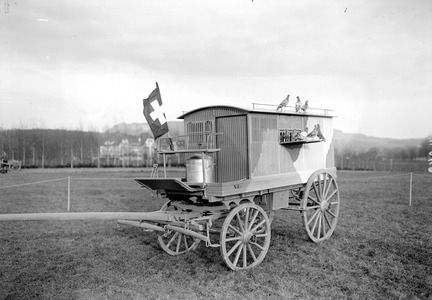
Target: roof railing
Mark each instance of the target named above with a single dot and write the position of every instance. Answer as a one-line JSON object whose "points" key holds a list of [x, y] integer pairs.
{"points": [[262, 106]]}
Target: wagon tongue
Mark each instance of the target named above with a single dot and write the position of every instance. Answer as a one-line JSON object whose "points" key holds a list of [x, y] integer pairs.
{"points": [[169, 184]]}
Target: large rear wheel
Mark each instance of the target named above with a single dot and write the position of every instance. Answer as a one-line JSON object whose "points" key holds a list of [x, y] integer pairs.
{"points": [[320, 205]]}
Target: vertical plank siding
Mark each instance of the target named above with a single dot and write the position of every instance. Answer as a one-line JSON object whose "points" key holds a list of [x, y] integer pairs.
{"points": [[232, 160]]}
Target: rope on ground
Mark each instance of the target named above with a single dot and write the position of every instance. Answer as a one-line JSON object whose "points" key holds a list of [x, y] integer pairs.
{"points": [[32, 183]]}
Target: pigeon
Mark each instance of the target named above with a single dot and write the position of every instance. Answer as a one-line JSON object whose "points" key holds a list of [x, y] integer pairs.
{"points": [[300, 136], [304, 133], [305, 106], [319, 133], [313, 133], [283, 103], [298, 104]]}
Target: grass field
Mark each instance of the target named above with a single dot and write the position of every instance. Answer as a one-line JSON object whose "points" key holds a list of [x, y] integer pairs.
{"points": [[381, 249]]}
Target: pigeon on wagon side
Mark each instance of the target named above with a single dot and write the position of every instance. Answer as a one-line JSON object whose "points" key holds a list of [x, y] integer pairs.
{"points": [[319, 133], [300, 136], [313, 133], [283, 103], [305, 106], [298, 104], [304, 133]]}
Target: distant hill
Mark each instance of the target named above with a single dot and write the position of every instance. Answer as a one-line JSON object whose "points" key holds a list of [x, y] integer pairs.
{"points": [[364, 142]]}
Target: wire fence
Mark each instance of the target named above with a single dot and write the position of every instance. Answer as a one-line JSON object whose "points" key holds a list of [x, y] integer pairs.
{"points": [[68, 179], [92, 179]]}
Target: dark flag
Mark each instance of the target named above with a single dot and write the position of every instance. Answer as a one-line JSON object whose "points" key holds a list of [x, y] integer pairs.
{"points": [[155, 114]]}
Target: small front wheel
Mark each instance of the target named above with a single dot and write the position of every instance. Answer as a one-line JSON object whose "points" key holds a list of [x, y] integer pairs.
{"points": [[245, 237], [173, 242]]}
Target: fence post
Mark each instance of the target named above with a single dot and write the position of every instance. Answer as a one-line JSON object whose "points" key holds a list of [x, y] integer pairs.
{"points": [[68, 198], [410, 194]]}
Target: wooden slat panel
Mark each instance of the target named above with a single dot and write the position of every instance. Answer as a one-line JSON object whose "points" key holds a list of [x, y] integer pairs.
{"points": [[232, 160]]}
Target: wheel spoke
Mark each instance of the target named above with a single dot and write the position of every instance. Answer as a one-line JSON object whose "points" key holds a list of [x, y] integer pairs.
{"points": [[244, 256], [320, 188], [332, 194], [313, 216], [258, 226], [328, 222], [312, 207], [239, 251], [328, 188], [172, 239], [316, 192], [330, 212], [262, 235], [316, 222], [234, 248], [240, 222], [313, 199], [324, 188], [253, 219], [178, 242], [234, 229], [258, 246], [246, 219], [185, 242], [236, 238], [323, 224], [319, 225], [251, 252]]}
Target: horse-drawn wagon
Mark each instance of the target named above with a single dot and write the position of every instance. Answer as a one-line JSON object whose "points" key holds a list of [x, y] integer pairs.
{"points": [[241, 166]]}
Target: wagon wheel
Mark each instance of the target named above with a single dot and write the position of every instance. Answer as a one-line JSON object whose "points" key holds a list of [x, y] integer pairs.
{"points": [[14, 166], [320, 205], [176, 243], [245, 237]]}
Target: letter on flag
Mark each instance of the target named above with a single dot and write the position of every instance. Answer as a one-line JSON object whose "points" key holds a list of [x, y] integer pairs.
{"points": [[154, 113]]}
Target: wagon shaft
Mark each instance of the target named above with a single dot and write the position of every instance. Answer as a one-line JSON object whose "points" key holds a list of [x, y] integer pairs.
{"points": [[156, 216], [167, 228]]}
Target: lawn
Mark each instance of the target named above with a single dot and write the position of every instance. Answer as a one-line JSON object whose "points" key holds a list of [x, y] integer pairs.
{"points": [[381, 248]]}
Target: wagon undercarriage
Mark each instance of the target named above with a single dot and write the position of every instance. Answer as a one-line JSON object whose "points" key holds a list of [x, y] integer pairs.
{"points": [[240, 225]]}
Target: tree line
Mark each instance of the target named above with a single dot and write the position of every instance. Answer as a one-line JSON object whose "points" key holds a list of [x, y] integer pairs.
{"points": [[409, 158], [48, 148], [43, 148]]}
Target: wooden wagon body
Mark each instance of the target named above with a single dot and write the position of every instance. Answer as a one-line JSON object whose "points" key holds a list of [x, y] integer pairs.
{"points": [[250, 152]]}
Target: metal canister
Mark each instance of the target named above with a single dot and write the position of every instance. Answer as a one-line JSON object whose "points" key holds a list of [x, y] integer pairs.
{"points": [[194, 168]]}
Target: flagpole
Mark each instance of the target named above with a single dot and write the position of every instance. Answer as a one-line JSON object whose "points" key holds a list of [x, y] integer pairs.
{"points": [[169, 137]]}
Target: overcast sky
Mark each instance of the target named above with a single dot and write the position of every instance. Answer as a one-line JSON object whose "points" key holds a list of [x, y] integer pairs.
{"points": [[88, 64]]}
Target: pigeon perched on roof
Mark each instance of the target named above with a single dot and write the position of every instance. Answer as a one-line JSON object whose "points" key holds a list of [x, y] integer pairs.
{"points": [[298, 104], [283, 103], [305, 106]]}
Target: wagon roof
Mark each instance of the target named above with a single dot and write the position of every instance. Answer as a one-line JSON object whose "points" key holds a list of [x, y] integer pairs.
{"points": [[318, 112]]}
